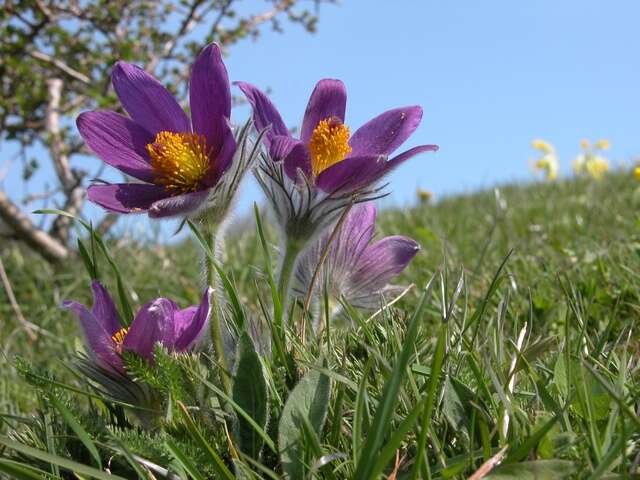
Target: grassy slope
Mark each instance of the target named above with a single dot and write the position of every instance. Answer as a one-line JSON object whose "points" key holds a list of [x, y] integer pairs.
{"points": [[573, 276]]}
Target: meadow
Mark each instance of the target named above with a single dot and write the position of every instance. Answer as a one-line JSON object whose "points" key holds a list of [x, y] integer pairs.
{"points": [[512, 353]]}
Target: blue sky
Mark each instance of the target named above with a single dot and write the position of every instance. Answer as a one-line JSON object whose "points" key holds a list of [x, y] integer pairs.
{"points": [[490, 76]]}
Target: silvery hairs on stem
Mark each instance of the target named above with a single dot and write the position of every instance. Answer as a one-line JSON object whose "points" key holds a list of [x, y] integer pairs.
{"points": [[222, 197], [301, 209]]}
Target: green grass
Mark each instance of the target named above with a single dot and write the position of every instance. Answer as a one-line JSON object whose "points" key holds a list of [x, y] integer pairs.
{"points": [[441, 369]]}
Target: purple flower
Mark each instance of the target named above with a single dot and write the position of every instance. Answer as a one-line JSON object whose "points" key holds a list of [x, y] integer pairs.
{"points": [[312, 178], [179, 160], [355, 268], [326, 152], [159, 321]]}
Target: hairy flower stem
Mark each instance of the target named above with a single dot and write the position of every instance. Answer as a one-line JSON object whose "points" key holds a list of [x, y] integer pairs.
{"points": [[216, 319], [292, 248]]}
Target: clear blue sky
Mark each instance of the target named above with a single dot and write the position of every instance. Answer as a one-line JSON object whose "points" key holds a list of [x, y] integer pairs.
{"points": [[490, 76]]}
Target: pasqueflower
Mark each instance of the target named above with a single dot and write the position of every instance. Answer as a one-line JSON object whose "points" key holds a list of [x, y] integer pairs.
{"points": [[178, 160], [355, 269], [311, 179], [159, 321]]}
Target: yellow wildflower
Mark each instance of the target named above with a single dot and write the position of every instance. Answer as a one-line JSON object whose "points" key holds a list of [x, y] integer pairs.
{"points": [[602, 144], [549, 165], [542, 145], [597, 166], [424, 196], [585, 144], [636, 173]]}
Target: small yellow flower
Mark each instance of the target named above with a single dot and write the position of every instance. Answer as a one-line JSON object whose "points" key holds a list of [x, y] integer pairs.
{"points": [[549, 165], [602, 144], [579, 164], [542, 145], [585, 144], [597, 166], [424, 196], [636, 173]]}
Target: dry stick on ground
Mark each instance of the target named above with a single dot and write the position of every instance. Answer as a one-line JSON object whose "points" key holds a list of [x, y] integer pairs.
{"points": [[14, 303], [38, 240], [489, 465]]}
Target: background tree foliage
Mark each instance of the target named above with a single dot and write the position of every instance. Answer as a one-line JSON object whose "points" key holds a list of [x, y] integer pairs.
{"points": [[55, 61]]}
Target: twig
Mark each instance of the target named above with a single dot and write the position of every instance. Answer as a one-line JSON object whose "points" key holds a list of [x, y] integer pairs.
{"points": [[70, 182], [256, 20], [60, 65], [489, 465], [14, 303], [40, 241], [188, 23]]}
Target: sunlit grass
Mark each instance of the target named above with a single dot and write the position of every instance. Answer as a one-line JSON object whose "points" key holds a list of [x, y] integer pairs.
{"points": [[517, 342]]}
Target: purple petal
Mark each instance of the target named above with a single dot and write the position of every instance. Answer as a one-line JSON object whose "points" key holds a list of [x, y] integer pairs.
{"points": [[381, 262], [328, 99], [280, 147], [147, 101], [386, 132], [294, 153], [350, 174], [178, 205], [126, 197], [222, 159], [210, 97], [265, 113], [118, 141], [351, 241], [356, 232], [344, 252], [153, 324], [104, 310], [98, 339], [404, 156], [356, 172], [190, 322]]}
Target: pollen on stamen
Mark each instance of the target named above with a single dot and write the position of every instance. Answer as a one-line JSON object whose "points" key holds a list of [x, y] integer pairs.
{"points": [[179, 160], [329, 144], [118, 338]]}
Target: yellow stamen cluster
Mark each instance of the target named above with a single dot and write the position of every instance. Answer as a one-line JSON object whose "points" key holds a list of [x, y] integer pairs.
{"points": [[118, 338], [329, 144], [179, 160]]}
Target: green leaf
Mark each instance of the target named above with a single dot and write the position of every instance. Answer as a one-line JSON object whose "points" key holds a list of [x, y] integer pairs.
{"points": [[57, 460], [238, 313], [309, 400], [20, 471], [183, 460], [591, 398], [250, 393], [206, 448], [454, 407], [518, 452], [87, 260], [82, 434], [534, 470], [384, 413]]}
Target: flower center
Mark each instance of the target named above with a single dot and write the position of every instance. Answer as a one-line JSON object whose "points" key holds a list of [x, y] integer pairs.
{"points": [[118, 338], [329, 144], [179, 160]]}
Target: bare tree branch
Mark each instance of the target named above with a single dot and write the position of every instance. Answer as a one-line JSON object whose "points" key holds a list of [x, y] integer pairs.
{"points": [[26, 231], [188, 23], [70, 182], [106, 223], [14, 303], [60, 65]]}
